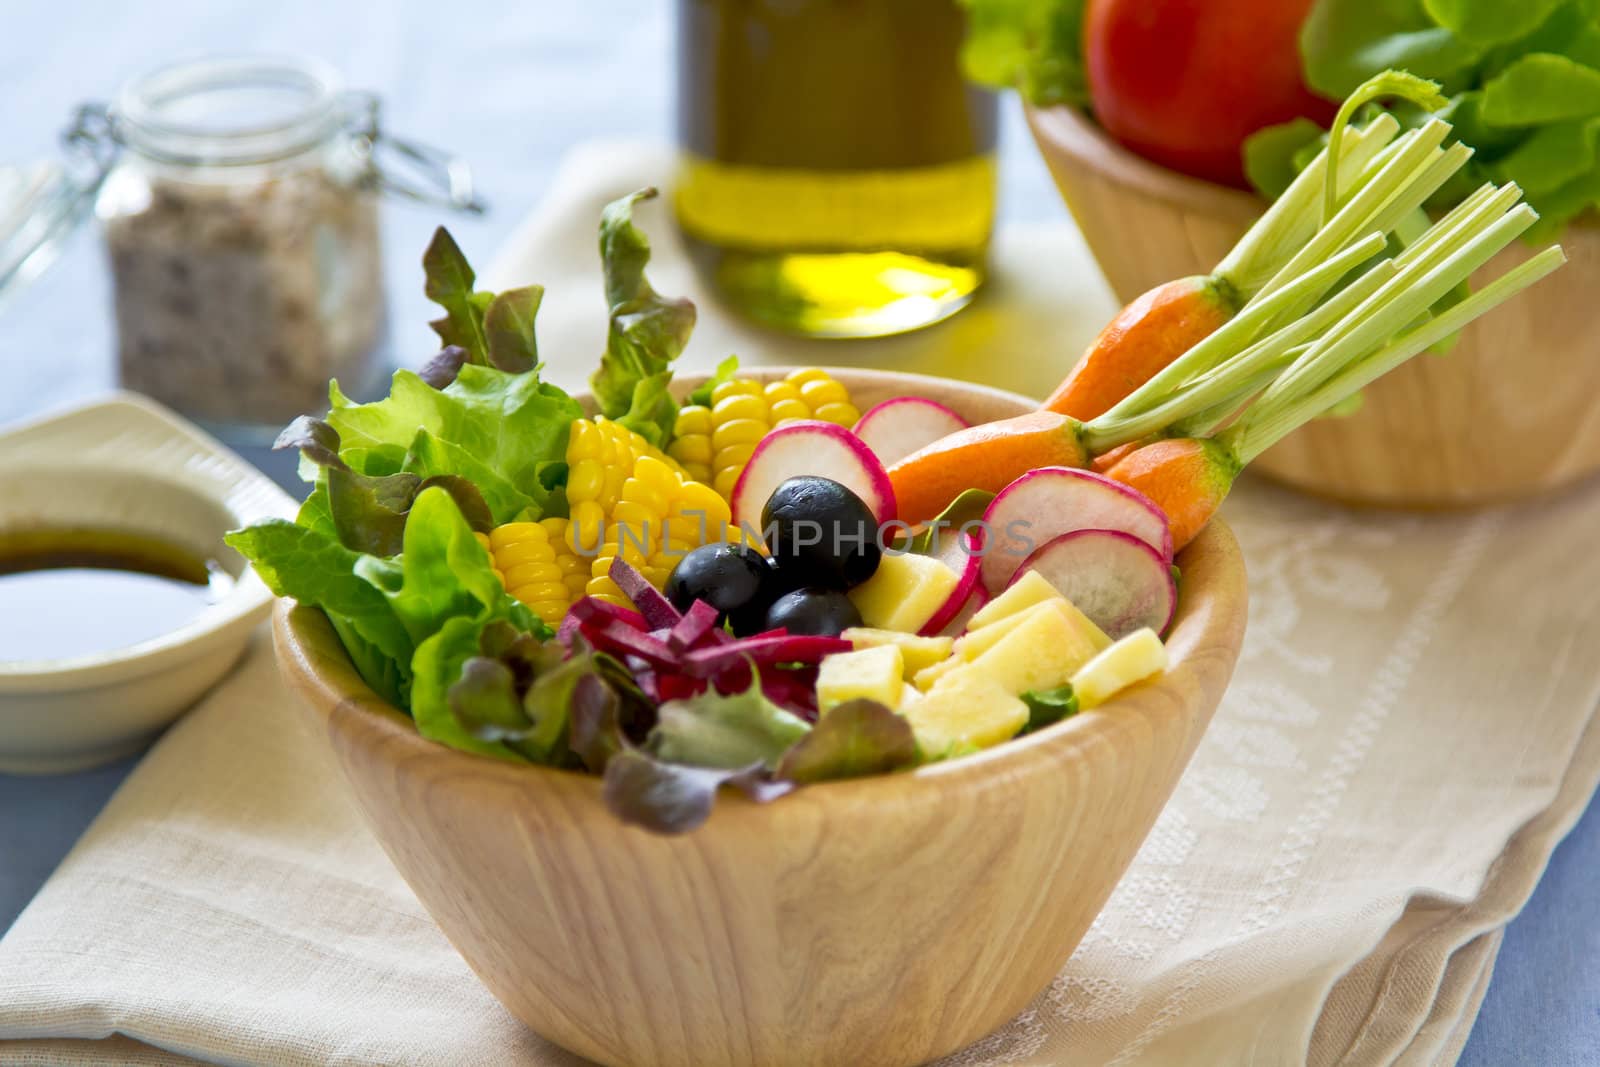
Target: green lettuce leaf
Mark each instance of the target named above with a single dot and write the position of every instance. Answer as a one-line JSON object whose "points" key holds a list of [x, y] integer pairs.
{"points": [[1540, 88], [449, 279], [508, 329], [1490, 22], [1046, 706], [728, 732], [854, 739], [647, 330], [1345, 42], [311, 566], [430, 457], [510, 424], [1553, 157], [1033, 46], [438, 666]]}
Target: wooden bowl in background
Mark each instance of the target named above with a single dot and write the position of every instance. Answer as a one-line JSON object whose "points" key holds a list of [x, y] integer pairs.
{"points": [[885, 920], [1513, 409]]}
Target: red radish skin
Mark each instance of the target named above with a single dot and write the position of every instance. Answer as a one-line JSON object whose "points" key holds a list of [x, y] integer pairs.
{"points": [[1044, 504], [958, 625], [1184, 82], [811, 447], [1118, 581], [961, 551], [896, 428]]}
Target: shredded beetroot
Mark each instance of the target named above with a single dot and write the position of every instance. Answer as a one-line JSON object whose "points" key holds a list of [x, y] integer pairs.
{"points": [[697, 623], [599, 612], [656, 608], [787, 648]]}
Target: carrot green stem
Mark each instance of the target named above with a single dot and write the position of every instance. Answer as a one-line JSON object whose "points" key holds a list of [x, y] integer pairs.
{"points": [[1291, 220], [1425, 94], [1413, 156], [1264, 426], [1446, 261], [1115, 426], [1234, 379]]}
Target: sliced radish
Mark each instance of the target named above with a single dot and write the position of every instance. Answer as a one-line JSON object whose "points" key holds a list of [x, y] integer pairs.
{"points": [[958, 624], [896, 428], [1046, 503], [815, 448], [962, 552], [1117, 580]]}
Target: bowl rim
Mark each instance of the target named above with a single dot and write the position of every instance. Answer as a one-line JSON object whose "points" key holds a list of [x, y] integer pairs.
{"points": [[1071, 130], [1204, 640]]}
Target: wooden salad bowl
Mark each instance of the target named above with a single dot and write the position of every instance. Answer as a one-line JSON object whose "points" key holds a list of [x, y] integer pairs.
{"points": [[1510, 411], [886, 920]]}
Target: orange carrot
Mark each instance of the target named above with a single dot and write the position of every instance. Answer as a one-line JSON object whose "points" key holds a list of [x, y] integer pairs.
{"points": [[1169, 320], [1147, 335], [1111, 457], [988, 456], [1186, 477]]}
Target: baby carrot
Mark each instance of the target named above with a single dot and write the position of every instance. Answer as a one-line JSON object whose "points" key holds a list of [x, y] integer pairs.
{"points": [[1189, 477], [1152, 331], [1303, 227], [987, 456]]}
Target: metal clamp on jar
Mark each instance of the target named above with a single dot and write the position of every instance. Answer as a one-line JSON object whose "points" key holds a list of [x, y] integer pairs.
{"points": [[239, 202]]}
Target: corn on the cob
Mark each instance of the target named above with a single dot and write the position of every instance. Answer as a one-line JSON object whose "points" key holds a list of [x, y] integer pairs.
{"points": [[624, 497], [714, 443]]}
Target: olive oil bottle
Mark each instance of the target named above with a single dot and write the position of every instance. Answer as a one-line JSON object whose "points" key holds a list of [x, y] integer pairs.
{"points": [[838, 173]]}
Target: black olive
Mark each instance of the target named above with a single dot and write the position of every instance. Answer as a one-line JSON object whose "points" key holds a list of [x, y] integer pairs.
{"points": [[821, 534], [813, 611], [728, 577]]}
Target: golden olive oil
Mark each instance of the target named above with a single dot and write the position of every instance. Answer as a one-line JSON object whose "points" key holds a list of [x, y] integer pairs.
{"points": [[838, 173]]}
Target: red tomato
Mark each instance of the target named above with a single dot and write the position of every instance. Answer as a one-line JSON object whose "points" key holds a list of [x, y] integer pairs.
{"points": [[1184, 82]]}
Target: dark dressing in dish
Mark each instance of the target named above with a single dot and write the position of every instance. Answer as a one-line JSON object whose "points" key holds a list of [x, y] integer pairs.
{"points": [[79, 592]]}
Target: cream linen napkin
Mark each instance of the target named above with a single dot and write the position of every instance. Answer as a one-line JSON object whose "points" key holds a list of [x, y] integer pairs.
{"points": [[1407, 737]]}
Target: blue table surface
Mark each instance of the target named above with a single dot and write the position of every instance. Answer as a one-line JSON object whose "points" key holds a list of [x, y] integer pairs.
{"points": [[511, 87]]}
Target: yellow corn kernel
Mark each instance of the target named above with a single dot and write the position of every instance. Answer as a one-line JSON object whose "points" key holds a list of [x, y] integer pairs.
{"points": [[551, 611], [788, 410], [585, 441], [586, 480], [821, 391], [733, 456], [532, 574], [571, 563], [535, 592], [777, 391], [734, 387], [724, 481], [575, 584], [691, 449], [692, 419], [521, 553], [808, 374], [555, 528], [737, 432], [740, 407], [588, 526], [710, 501], [511, 533], [604, 588], [840, 414]]}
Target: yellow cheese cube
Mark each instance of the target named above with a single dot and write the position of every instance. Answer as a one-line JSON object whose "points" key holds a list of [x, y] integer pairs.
{"points": [[916, 652], [867, 674], [1041, 652], [1026, 594], [905, 592], [1132, 659], [974, 643], [927, 676], [1030, 589], [964, 710]]}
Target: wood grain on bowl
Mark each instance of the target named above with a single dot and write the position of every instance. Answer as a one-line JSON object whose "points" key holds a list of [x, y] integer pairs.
{"points": [[1511, 410], [887, 920]]}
